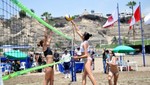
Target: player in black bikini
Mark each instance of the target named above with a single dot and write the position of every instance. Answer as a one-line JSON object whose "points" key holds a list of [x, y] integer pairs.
{"points": [[45, 43]]}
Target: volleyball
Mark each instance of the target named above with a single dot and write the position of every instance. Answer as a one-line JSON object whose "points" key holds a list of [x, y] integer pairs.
{"points": [[68, 17]]}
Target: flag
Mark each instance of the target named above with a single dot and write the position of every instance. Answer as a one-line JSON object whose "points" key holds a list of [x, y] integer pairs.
{"points": [[147, 19], [111, 19], [135, 18]]}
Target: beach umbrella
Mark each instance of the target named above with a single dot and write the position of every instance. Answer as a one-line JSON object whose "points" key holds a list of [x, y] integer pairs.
{"points": [[123, 49], [15, 54]]}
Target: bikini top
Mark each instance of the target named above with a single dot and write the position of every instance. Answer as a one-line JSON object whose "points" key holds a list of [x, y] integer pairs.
{"points": [[48, 52], [81, 46], [112, 61]]}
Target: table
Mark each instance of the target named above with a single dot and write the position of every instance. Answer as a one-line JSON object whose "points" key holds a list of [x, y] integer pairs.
{"points": [[78, 67]]}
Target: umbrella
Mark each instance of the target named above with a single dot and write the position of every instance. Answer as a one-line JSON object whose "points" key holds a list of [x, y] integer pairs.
{"points": [[15, 54], [123, 49]]}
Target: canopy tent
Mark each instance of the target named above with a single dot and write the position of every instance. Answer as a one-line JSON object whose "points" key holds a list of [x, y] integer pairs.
{"points": [[15, 54]]}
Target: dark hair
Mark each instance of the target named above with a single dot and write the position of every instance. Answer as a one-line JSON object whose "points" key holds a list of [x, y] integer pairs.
{"points": [[55, 50], [40, 43], [87, 35], [93, 53], [65, 51], [113, 53], [107, 51], [78, 48]]}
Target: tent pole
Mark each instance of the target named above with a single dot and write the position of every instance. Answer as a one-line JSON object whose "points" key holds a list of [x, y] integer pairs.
{"points": [[1, 81]]}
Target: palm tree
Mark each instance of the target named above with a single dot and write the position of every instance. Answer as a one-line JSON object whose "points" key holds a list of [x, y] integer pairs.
{"points": [[131, 4], [114, 40], [32, 10], [47, 16], [22, 14]]}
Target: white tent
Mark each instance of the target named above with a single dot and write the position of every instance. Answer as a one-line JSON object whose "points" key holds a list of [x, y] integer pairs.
{"points": [[147, 19]]}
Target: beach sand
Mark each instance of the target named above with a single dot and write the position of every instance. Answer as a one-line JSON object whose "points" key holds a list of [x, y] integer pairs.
{"points": [[140, 77]]}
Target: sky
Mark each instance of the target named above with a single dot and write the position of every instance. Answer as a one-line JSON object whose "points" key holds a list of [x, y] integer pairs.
{"points": [[74, 7]]}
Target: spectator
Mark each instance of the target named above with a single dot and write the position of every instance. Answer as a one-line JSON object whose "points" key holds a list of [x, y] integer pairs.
{"points": [[107, 60], [104, 60], [8, 67], [16, 66], [40, 62], [78, 53], [56, 58], [43, 60], [92, 56], [31, 60], [66, 58], [36, 58]]}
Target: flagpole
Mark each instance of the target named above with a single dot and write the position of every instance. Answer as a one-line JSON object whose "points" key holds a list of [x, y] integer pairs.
{"points": [[142, 36], [119, 40]]}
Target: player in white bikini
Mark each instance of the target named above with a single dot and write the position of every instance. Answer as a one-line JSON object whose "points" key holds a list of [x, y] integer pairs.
{"points": [[84, 47], [113, 69]]}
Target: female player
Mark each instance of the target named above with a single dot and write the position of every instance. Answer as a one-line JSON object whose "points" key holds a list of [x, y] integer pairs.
{"points": [[45, 43], [84, 47]]}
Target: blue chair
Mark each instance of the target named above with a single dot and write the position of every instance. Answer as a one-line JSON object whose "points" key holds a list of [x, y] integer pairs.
{"points": [[3, 68], [7, 68]]}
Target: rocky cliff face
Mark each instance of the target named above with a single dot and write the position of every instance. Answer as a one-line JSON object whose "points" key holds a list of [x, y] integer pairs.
{"points": [[28, 31]]}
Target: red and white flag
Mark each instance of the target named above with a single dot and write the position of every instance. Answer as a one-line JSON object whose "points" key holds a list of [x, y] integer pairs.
{"points": [[111, 19], [147, 19], [135, 18]]}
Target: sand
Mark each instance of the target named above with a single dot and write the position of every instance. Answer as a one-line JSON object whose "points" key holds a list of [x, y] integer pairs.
{"points": [[140, 77]]}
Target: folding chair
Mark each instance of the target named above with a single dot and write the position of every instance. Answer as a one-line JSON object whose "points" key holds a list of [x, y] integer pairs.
{"points": [[23, 66], [123, 65], [7, 68]]}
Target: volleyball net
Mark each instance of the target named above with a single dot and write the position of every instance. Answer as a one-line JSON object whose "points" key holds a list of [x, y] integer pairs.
{"points": [[17, 28]]}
